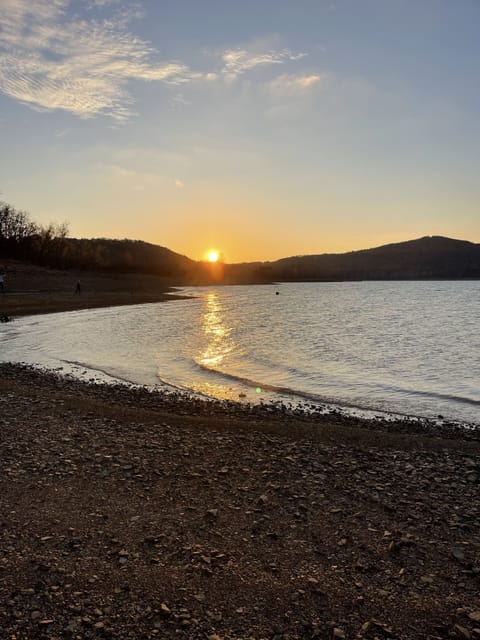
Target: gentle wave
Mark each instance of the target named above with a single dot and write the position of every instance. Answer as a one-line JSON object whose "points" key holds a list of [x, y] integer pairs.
{"points": [[318, 398], [253, 383], [442, 396]]}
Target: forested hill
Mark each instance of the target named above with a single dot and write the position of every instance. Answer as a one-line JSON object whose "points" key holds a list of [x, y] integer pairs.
{"points": [[21, 238], [428, 257], [124, 256]]}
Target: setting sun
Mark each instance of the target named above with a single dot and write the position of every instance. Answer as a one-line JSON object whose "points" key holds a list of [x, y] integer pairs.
{"points": [[213, 256]]}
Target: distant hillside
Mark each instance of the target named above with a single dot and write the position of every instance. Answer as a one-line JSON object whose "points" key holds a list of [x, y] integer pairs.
{"points": [[124, 256], [21, 238], [24, 240], [428, 257]]}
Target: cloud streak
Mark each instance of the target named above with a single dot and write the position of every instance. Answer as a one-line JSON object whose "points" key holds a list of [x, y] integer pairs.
{"points": [[238, 61], [51, 61], [287, 84]]}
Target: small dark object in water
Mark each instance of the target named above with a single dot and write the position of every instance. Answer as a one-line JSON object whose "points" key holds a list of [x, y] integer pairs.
{"points": [[277, 293], [4, 318]]}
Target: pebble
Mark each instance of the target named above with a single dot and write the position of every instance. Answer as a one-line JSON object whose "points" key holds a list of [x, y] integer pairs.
{"points": [[304, 534]]}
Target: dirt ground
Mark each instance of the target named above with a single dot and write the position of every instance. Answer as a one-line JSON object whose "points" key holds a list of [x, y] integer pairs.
{"points": [[131, 514], [30, 289]]}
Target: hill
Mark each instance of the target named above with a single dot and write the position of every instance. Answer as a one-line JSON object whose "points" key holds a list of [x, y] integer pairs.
{"points": [[21, 238], [124, 256], [424, 258]]}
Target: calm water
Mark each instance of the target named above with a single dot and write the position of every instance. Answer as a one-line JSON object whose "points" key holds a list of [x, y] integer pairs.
{"points": [[406, 347]]}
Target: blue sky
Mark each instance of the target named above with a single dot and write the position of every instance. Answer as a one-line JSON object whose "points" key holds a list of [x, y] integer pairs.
{"points": [[262, 129]]}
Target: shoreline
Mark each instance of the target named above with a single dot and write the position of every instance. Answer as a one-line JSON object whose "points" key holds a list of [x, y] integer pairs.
{"points": [[306, 419], [133, 514], [25, 304], [130, 513], [31, 289]]}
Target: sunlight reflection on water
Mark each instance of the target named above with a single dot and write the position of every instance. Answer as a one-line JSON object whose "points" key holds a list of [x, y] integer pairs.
{"points": [[408, 347], [218, 335]]}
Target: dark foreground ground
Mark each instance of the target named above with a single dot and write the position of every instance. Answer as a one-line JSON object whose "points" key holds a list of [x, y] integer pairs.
{"points": [[126, 514]]}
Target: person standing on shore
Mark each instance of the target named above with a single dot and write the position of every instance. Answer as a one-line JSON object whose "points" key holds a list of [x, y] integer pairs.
{"points": [[2, 282], [78, 288]]}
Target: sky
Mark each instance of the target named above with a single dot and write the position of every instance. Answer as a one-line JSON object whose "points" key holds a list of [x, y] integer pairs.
{"points": [[260, 128]]}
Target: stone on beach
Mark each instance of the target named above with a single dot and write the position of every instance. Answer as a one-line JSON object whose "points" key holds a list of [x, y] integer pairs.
{"points": [[129, 514]]}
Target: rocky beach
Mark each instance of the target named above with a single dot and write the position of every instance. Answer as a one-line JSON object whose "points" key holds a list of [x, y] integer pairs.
{"points": [[127, 513], [239, 320]]}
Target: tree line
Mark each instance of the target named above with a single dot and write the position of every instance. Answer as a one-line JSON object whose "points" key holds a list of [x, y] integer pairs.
{"points": [[24, 239], [429, 257]]}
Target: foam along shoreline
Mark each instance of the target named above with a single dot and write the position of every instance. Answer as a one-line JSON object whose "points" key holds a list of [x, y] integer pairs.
{"points": [[102, 385], [271, 405]]}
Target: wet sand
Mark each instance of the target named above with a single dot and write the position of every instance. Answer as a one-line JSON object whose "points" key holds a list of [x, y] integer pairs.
{"points": [[131, 514]]}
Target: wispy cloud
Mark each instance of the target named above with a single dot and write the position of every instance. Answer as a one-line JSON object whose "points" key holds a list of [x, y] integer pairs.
{"points": [[103, 3], [293, 83], [50, 60], [238, 61], [54, 58]]}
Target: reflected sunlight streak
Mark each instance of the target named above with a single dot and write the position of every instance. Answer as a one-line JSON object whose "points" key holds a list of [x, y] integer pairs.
{"points": [[218, 335]]}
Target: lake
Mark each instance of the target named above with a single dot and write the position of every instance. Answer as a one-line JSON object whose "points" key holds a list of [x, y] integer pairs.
{"points": [[411, 348]]}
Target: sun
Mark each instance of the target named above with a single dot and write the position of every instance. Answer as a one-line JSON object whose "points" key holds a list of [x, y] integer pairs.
{"points": [[213, 256]]}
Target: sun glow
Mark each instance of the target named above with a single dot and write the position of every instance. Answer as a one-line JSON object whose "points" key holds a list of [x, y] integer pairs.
{"points": [[213, 256]]}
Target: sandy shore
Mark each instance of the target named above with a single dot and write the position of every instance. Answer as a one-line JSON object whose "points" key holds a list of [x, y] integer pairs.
{"points": [[30, 289], [128, 514], [36, 302]]}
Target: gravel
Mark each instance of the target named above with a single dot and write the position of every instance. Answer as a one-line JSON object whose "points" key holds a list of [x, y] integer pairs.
{"points": [[131, 514]]}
